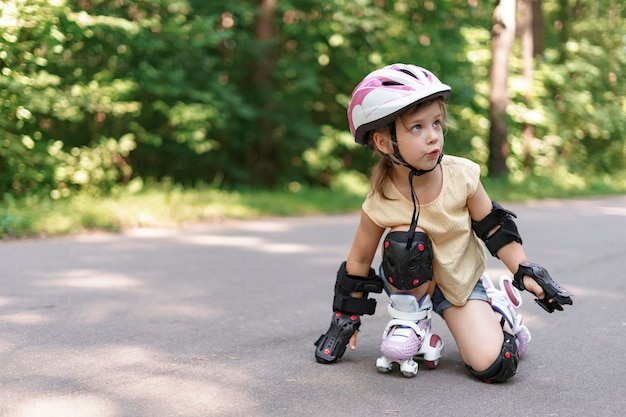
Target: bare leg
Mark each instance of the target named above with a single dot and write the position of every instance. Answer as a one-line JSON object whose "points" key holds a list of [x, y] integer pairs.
{"points": [[477, 333]]}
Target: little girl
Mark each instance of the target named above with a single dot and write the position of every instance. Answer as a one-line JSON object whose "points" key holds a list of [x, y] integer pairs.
{"points": [[435, 212]]}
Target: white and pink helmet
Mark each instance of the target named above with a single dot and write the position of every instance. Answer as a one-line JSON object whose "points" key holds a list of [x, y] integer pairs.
{"points": [[387, 92]]}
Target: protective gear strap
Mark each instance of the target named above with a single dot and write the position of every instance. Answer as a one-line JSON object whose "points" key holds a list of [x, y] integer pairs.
{"points": [[503, 235], [353, 305], [347, 284], [353, 283], [505, 365], [552, 290]]}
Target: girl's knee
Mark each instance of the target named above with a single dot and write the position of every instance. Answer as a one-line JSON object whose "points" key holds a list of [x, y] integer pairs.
{"points": [[503, 367], [483, 354]]}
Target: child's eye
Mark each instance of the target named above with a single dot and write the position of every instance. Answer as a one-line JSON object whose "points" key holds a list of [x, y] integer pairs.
{"points": [[416, 128], [437, 123]]}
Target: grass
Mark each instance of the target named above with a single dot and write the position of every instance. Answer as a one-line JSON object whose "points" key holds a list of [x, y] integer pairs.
{"points": [[161, 206], [561, 187], [173, 206]]}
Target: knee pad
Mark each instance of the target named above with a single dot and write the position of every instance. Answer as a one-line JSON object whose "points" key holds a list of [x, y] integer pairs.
{"points": [[505, 233], [407, 265], [505, 365]]}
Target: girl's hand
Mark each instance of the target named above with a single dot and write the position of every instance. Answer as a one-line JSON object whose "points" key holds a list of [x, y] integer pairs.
{"points": [[352, 342], [532, 286], [536, 279]]}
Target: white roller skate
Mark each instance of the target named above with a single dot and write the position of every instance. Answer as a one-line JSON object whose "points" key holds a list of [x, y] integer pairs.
{"points": [[408, 336], [505, 300]]}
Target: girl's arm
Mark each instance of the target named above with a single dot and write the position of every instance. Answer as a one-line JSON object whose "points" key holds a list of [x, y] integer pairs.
{"points": [[364, 246], [362, 255], [512, 254]]}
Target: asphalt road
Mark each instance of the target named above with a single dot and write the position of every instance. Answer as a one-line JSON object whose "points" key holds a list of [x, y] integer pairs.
{"points": [[220, 320]]}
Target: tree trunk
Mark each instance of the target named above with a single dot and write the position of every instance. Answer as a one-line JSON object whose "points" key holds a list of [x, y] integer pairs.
{"points": [[503, 35], [525, 28], [264, 32], [263, 164], [537, 23], [562, 25]]}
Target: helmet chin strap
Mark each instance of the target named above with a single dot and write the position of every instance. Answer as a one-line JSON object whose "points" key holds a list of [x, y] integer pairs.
{"points": [[414, 172]]}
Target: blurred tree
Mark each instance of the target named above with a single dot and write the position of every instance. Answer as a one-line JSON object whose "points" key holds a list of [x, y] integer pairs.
{"points": [[503, 35], [94, 93], [528, 12]]}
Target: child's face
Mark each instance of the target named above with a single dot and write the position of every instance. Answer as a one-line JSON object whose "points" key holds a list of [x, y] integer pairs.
{"points": [[420, 135]]}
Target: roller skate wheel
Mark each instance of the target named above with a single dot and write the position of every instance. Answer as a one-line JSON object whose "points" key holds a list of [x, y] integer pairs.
{"points": [[383, 365], [522, 338], [409, 368], [435, 342], [512, 293]]}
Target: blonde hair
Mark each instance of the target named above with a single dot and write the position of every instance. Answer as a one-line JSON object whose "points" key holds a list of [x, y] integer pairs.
{"points": [[382, 170]]}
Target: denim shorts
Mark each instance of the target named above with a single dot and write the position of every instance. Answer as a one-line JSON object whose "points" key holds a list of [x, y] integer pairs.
{"points": [[440, 303]]}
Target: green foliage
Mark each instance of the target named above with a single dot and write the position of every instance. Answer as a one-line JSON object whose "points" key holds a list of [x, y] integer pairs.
{"points": [[578, 109], [96, 94]]}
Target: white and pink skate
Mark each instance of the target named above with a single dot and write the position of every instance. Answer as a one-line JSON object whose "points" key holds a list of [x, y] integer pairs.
{"points": [[408, 336], [505, 300]]}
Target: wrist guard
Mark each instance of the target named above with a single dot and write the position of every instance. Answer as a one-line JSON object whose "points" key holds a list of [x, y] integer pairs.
{"points": [[331, 345], [552, 290], [346, 312]]}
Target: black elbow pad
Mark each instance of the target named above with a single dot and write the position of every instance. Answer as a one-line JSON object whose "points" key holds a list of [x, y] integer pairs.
{"points": [[505, 233]]}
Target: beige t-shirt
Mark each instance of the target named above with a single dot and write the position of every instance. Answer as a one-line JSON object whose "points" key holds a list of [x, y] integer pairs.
{"points": [[458, 255]]}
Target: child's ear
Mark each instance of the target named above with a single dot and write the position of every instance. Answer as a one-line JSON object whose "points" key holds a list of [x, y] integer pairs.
{"points": [[382, 142]]}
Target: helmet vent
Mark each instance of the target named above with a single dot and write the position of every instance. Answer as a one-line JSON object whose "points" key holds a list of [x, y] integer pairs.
{"points": [[386, 83], [409, 73]]}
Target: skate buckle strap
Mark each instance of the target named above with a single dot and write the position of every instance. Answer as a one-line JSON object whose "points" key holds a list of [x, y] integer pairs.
{"points": [[421, 333], [552, 290], [408, 315]]}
